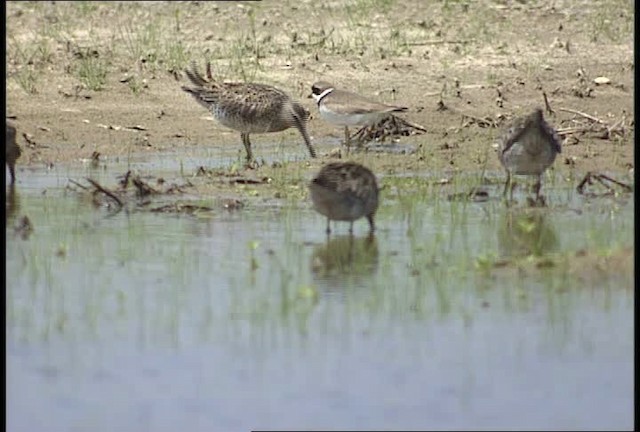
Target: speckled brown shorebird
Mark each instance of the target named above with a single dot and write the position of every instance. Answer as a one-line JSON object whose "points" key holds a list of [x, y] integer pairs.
{"points": [[248, 107], [345, 191], [344, 108], [528, 146], [12, 150]]}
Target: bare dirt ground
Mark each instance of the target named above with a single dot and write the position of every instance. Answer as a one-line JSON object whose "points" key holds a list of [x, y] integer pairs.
{"points": [[85, 77]]}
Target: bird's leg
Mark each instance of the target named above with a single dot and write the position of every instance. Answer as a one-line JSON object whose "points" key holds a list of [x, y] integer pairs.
{"points": [[506, 183], [347, 141], [372, 224], [370, 238], [328, 230], [351, 250], [538, 186], [12, 171], [512, 186], [351, 228], [247, 146], [540, 201], [509, 185]]}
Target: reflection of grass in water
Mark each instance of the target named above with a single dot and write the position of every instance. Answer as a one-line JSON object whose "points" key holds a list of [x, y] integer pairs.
{"points": [[37, 306], [525, 233], [72, 281], [455, 254], [275, 291], [428, 251], [342, 257]]}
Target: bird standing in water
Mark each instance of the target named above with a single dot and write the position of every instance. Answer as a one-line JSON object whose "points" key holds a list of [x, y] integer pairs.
{"points": [[345, 191], [12, 151], [528, 146]]}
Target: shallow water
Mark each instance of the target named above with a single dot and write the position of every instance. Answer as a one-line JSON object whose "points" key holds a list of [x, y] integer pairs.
{"points": [[254, 320]]}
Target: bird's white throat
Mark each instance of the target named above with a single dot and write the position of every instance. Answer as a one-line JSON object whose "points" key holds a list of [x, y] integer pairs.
{"points": [[322, 95]]}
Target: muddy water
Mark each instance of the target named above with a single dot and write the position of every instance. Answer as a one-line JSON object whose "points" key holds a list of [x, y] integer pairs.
{"points": [[254, 320]]}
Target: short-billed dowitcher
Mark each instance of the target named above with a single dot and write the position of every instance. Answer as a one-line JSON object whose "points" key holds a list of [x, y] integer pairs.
{"points": [[345, 191], [528, 146], [249, 107]]}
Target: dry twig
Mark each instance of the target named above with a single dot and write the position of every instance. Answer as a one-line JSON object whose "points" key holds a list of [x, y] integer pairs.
{"points": [[590, 177], [585, 115], [598, 127], [107, 192], [143, 188], [546, 103]]}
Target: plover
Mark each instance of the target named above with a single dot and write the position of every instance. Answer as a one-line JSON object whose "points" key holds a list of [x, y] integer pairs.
{"points": [[12, 150], [249, 107], [528, 146], [344, 108], [345, 191]]}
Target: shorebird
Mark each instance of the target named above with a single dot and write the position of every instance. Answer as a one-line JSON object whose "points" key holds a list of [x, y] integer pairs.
{"points": [[345, 191], [344, 108], [248, 107], [528, 146], [12, 150]]}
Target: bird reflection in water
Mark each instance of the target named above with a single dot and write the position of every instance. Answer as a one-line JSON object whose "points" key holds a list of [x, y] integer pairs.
{"points": [[526, 232], [12, 204], [344, 257]]}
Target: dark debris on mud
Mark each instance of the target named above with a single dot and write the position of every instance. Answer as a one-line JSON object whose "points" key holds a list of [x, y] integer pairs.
{"points": [[584, 124], [233, 176], [608, 186], [388, 128], [135, 192], [178, 207], [474, 195]]}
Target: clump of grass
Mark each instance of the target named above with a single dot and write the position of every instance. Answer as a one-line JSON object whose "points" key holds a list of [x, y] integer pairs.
{"points": [[245, 52], [141, 45], [30, 59], [150, 51], [175, 56], [92, 71], [398, 43], [361, 11], [27, 79], [85, 8], [287, 181], [136, 85], [612, 19]]}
